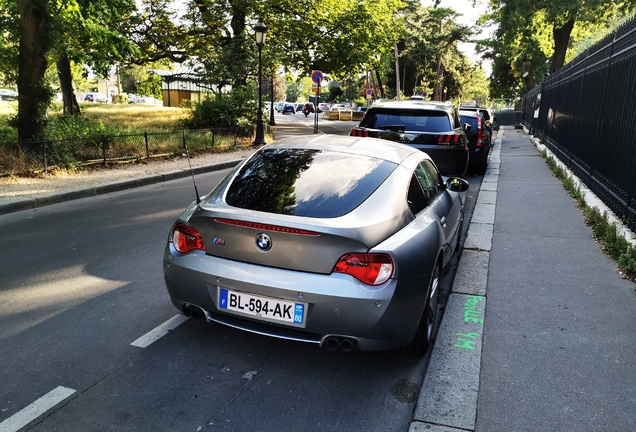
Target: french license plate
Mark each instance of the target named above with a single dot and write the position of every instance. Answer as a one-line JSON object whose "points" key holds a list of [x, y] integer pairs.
{"points": [[264, 307]]}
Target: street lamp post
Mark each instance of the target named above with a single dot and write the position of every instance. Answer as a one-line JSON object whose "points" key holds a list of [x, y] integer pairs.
{"points": [[260, 31], [445, 90]]}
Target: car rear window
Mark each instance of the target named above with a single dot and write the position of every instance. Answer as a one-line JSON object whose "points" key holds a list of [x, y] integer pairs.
{"points": [[407, 120], [472, 121], [310, 183]]}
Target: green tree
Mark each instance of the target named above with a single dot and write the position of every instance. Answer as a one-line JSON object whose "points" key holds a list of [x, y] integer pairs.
{"points": [[293, 91], [429, 58], [87, 32], [533, 36]]}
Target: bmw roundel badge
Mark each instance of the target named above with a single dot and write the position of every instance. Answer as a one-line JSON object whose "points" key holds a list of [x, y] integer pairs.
{"points": [[263, 242]]}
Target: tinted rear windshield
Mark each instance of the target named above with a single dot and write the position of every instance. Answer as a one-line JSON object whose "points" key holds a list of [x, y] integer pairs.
{"points": [[407, 120], [302, 182], [471, 121]]}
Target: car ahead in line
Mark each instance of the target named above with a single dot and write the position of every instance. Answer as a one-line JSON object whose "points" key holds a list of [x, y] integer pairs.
{"points": [[334, 240], [432, 127], [485, 112], [8, 95], [479, 139], [288, 109]]}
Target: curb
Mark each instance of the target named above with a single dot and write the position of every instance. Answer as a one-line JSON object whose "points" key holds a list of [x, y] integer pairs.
{"points": [[20, 204], [449, 392]]}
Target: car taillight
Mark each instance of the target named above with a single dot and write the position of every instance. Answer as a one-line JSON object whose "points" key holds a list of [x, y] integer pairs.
{"points": [[481, 139], [186, 238], [359, 133], [450, 138], [372, 269]]}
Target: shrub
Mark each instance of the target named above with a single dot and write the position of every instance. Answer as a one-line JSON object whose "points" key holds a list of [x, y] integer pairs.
{"points": [[224, 110]]}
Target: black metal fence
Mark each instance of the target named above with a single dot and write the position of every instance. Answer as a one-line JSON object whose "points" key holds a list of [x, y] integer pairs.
{"points": [[105, 149], [586, 114]]}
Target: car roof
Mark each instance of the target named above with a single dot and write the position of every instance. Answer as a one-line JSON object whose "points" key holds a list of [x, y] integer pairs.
{"points": [[372, 147], [415, 104], [466, 113]]}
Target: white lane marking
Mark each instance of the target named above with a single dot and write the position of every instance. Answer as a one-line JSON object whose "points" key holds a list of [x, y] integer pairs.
{"points": [[160, 331], [36, 409]]}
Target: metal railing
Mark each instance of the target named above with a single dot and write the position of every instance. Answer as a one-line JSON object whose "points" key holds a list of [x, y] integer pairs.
{"points": [[586, 114], [46, 154]]}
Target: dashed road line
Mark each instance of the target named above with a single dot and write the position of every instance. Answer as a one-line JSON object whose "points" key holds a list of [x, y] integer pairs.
{"points": [[160, 331], [36, 409]]}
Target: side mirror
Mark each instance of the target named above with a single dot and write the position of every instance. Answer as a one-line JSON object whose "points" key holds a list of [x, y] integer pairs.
{"points": [[456, 184]]}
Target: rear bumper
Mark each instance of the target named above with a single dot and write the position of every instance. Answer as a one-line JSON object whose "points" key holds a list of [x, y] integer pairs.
{"points": [[338, 305]]}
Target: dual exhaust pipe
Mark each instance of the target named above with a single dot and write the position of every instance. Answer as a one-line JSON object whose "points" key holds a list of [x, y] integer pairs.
{"points": [[334, 342], [193, 312]]}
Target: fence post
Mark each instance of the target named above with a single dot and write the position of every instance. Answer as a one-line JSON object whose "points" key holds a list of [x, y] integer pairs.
{"points": [[45, 147], [147, 149], [104, 148]]}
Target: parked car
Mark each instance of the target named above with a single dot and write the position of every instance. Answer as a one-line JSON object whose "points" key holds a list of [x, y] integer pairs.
{"points": [[8, 95], [323, 107], [289, 108], [95, 97], [279, 106], [334, 240], [338, 107], [479, 139], [432, 127]]}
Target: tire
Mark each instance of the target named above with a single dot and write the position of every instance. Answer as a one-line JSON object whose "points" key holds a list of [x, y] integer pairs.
{"points": [[424, 334]]}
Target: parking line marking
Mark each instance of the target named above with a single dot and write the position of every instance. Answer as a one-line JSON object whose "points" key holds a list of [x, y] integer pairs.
{"points": [[159, 332], [36, 409]]}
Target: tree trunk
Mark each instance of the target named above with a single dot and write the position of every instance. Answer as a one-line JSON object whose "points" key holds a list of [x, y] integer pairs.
{"points": [[34, 44], [561, 41], [439, 77], [380, 86], [526, 74], [71, 107]]}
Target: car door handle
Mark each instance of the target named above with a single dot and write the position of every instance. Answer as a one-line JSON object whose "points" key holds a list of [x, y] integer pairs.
{"points": [[443, 221]]}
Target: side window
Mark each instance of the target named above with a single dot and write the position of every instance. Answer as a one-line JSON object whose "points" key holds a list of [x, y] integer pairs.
{"points": [[416, 200], [429, 179]]}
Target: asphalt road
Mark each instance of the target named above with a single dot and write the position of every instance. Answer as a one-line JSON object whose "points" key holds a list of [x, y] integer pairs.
{"points": [[82, 280]]}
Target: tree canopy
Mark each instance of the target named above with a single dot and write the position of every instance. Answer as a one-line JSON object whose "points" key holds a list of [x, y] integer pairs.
{"points": [[533, 37]]}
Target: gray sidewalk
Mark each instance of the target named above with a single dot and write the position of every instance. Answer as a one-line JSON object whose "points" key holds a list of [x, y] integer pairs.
{"points": [[557, 348]]}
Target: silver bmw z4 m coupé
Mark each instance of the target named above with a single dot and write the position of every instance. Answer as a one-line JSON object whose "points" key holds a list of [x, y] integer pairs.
{"points": [[333, 240]]}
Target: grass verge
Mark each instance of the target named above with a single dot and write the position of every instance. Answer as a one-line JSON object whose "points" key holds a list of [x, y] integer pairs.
{"points": [[606, 234]]}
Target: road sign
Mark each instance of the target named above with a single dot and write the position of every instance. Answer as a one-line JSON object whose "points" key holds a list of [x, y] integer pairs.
{"points": [[316, 76], [369, 92], [315, 88]]}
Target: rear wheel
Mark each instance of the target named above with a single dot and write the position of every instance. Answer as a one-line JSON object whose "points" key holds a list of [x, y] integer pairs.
{"points": [[424, 334]]}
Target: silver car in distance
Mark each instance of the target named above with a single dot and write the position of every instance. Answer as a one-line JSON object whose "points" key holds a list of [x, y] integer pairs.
{"points": [[334, 240]]}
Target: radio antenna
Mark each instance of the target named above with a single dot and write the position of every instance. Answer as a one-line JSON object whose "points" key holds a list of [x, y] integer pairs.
{"points": [[196, 191]]}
